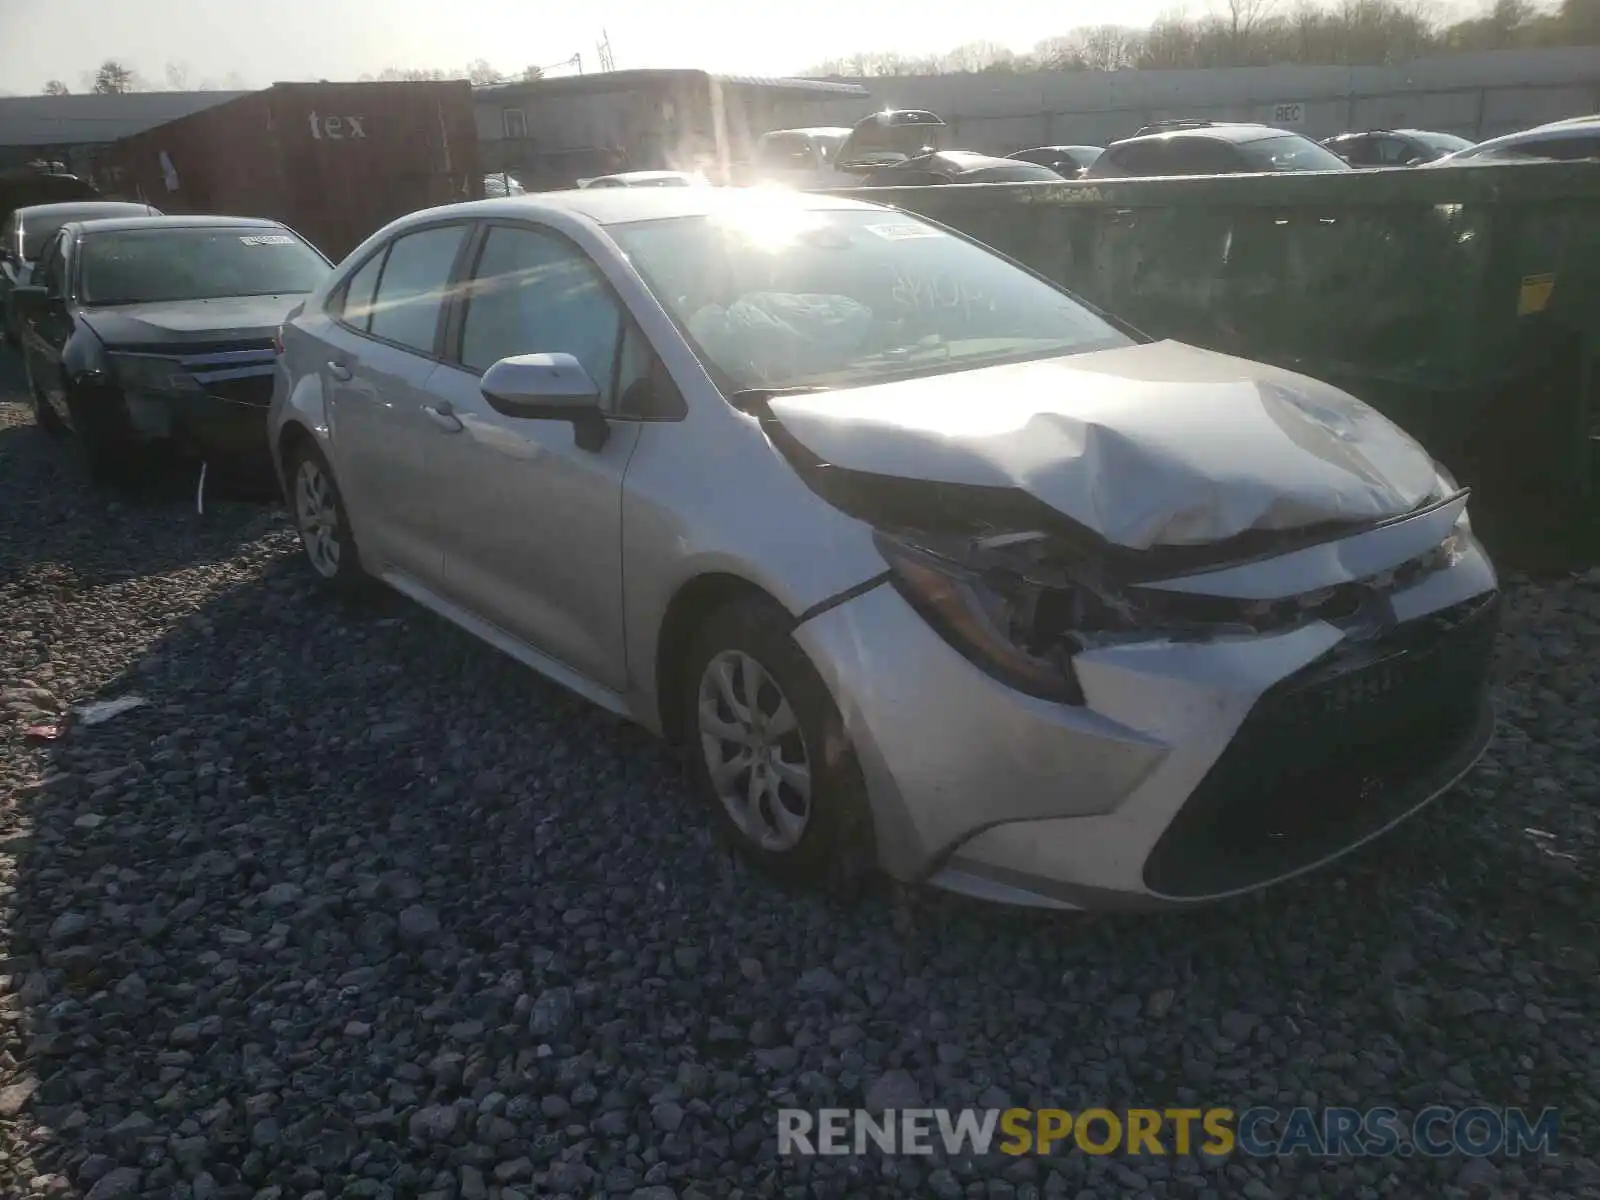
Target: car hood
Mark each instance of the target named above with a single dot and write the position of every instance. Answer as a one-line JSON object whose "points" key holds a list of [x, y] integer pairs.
{"points": [[190, 322], [1152, 445]]}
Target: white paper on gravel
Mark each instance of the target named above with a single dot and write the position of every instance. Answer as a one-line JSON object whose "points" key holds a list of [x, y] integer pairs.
{"points": [[99, 711]]}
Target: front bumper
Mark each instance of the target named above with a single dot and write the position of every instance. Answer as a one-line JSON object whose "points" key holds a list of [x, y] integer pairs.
{"points": [[215, 428], [1195, 770]]}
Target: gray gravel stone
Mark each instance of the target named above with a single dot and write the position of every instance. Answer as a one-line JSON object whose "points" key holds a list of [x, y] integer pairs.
{"points": [[491, 953]]}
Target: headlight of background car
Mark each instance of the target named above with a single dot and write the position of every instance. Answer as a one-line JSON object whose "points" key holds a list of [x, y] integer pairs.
{"points": [[988, 617], [153, 375]]}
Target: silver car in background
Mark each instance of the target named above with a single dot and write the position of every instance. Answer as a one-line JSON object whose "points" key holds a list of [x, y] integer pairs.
{"points": [[924, 562]]}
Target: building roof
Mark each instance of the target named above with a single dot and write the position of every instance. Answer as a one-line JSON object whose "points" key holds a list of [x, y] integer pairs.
{"points": [[89, 118], [606, 81]]}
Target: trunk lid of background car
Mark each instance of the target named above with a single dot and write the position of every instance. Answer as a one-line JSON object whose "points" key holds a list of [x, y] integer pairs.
{"points": [[1152, 445]]}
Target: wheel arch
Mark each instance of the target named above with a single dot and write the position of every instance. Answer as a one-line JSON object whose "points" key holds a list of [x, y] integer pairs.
{"points": [[691, 605]]}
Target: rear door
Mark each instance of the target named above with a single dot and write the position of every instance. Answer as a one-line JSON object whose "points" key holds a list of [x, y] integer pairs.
{"points": [[381, 349]]}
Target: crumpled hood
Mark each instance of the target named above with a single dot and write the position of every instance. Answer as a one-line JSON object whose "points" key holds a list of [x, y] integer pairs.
{"points": [[1153, 445], [180, 322]]}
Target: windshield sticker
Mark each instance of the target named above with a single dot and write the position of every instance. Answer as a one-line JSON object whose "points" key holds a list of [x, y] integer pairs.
{"points": [[268, 239], [933, 295], [905, 231]]}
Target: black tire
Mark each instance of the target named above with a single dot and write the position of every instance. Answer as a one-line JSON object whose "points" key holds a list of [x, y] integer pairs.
{"points": [[111, 458], [48, 419], [347, 578], [836, 846]]}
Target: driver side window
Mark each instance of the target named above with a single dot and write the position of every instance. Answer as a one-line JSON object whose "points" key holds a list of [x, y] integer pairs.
{"points": [[535, 293]]}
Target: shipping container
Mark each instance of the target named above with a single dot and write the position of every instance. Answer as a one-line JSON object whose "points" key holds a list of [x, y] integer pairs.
{"points": [[333, 161]]}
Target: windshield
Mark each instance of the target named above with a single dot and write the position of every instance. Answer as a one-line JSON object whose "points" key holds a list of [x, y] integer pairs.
{"points": [[38, 230], [1442, 143], [149, 265], [780, 296], [1290, 152]]}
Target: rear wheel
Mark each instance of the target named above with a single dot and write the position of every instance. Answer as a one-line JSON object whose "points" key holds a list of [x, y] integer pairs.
{"points": [[768, 751], [320, 518]]}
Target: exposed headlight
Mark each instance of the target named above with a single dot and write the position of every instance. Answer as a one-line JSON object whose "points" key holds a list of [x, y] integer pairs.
{"points": [[150, 373], [983, 615]]}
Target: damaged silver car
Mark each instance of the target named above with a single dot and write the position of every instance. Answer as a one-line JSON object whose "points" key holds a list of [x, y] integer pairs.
{"points": [[925, 563]]}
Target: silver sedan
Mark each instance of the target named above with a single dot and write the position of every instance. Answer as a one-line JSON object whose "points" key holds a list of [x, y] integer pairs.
{"points": [[926, 564]]}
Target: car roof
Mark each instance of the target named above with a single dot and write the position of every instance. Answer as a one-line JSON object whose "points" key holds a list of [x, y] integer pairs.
{"points": [[966, 160], [1054, 149], [125, 224], [1553, 132], [47, 211], [828, 131], [621, 206], [1240, 132]]}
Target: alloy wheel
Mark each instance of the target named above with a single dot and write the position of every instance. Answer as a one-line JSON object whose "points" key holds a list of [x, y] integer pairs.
{"points": [[317, 516], [755, 751]]}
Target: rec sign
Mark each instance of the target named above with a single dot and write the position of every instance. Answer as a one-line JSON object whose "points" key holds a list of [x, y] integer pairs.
{"points": [[1289, 114], [336, 128]]}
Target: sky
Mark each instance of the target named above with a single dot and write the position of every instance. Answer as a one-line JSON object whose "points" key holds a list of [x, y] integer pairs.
{"points": [[342, 39]]}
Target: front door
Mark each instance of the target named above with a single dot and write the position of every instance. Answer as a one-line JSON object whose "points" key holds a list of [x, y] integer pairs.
{"points": [[535, 519], [46, 327]]}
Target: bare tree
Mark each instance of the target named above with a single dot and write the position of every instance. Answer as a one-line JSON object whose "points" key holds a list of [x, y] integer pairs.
{"points": [[975, 56], [178, 76], [114, 78], [481, 73], [1107, 47], [56, 88], [235, 82], [530, 73]]}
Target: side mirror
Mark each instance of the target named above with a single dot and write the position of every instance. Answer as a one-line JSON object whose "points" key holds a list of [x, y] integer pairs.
{"points": [[548, 387]]}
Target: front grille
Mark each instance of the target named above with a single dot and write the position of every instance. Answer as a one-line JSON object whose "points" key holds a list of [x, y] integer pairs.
{"points": [[1334, 753]]}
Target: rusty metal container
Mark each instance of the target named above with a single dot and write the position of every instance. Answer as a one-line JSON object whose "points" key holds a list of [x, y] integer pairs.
{"points": [[334, 161]]}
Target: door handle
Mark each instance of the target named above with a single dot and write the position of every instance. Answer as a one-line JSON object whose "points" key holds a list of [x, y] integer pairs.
{"points": [[444, 416], [339, 371]]}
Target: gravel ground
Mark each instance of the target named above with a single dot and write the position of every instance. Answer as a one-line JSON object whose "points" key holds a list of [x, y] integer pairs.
{"points": [[352, 907]]}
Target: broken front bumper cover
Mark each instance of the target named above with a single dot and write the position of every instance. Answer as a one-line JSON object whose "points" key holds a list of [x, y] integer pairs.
{"points": [[1196, 769]]}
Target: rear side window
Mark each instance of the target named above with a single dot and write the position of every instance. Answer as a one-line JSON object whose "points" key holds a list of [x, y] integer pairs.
{"points": [[1141, 158], [52, 267], [413, 285], [356, 307], [1572, 149]]}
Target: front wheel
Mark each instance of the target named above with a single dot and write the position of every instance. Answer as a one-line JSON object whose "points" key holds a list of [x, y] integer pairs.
{"points": [[49, 420], [768, 751], [320, 519]]}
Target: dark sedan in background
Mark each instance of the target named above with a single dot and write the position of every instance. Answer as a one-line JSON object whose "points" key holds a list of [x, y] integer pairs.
{"points": [[1212, 148], [156, 334], [1069, 162], [956, 166], [1394, 147], [27, 229]]}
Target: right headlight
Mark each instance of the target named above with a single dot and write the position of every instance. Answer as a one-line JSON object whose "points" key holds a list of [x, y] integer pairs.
{"points": [[986, 616]]}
